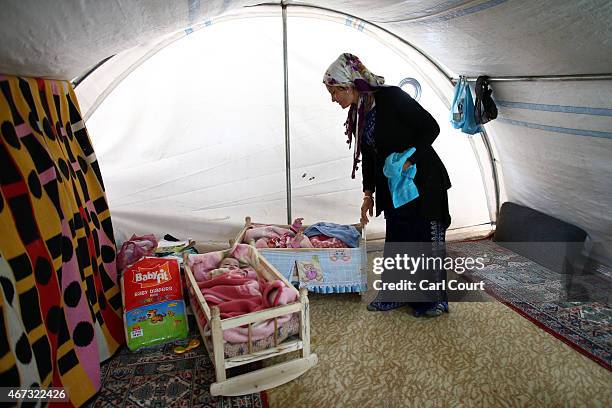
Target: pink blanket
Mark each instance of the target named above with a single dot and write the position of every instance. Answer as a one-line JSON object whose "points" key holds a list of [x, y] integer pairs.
{"points": [[240, 291], [271, 236], [237, 295], [323, 241], [134, 249], [202, 265]]}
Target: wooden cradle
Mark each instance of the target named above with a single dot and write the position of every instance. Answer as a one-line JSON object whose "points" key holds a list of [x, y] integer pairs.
{"points": [[264, 378], [347, 266]]}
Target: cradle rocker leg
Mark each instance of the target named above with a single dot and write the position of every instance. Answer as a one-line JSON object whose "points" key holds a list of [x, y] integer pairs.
{"points": [[305, 322], [263, 379], [218, 351]]}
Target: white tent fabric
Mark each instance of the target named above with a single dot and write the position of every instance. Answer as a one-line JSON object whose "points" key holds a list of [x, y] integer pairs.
{"points": [[551, 145], [468, 37], [555, 149], [207, 148]]}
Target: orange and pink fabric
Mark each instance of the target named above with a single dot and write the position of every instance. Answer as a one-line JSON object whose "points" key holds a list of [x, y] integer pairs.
{"points": [[60, 304]]}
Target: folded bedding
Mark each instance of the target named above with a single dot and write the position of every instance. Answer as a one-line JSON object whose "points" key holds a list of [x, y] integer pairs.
{"points": [[319, 235], [323, 241], [345, 233], [271, 236]]}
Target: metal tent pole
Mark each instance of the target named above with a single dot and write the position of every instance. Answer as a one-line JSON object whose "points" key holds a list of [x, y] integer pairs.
{"points": [[493, 161], [553, 78], [287, 142]]}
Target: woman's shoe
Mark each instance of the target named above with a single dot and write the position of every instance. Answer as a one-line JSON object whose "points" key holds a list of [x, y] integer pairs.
{"points": [[377, 306], [434, 310]]}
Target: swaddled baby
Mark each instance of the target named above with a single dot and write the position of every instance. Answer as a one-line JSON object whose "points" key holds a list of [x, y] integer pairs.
{"points": [[275, 292], [238, 290], [231, 266]]}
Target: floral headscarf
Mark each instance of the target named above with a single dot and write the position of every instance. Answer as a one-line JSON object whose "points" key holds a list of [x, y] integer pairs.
{"points": [[347, 70]]}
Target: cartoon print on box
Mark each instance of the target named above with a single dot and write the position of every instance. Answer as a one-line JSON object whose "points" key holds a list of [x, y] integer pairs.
{"points": [[153, 324], [153, 302], [154, 317], [340, 255]]}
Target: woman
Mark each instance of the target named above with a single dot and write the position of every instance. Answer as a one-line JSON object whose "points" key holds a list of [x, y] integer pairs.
{"points": [[386, 120]]}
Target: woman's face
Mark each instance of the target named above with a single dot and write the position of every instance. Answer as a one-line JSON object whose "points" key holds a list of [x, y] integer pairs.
{"points": [[344, 96]]}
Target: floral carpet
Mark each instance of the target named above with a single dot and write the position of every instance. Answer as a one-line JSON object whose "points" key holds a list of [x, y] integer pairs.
{"points": [[547, 298], [157, 377]]}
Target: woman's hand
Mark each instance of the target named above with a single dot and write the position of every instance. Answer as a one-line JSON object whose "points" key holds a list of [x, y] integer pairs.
{"points": [[406, 165], [367, 207]]}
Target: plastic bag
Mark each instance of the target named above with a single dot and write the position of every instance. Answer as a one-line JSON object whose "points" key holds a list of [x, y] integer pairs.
{"points": [[486, 110], [134, 249], [462, 115]]}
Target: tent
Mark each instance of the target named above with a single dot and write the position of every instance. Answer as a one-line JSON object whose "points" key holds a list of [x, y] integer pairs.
{"points": [[203, 112], [552, 98]]}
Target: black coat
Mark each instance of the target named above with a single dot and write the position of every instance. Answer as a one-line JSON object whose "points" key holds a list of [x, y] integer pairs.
{"points": [[401, 123]]}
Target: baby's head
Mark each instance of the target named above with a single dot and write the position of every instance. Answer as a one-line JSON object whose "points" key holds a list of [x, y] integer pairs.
{"points": [[229, 263]]}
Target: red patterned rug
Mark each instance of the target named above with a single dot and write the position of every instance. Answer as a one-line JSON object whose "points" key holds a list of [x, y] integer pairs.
{"points": [[157, 377]]}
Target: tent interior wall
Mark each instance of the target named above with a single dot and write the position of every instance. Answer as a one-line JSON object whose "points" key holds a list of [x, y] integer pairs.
{"points": [[550, 147], [317, 192], [564, 172]]}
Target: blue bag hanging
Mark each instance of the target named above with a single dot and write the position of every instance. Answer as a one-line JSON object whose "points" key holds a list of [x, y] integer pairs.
{"points": [[457, 112], [462, 113], [470, 126]]}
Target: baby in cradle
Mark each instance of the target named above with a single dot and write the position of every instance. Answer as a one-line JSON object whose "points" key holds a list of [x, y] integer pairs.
{"points": [[230, 263], [231, 266], [237, 289]]}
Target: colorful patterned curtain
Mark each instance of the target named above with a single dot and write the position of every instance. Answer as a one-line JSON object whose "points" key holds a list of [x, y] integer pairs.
{"points": [[60, 304]]}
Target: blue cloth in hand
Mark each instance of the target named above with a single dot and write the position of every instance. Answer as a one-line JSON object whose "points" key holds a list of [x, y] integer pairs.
{"points": [[345, 233], [401, 182]]}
